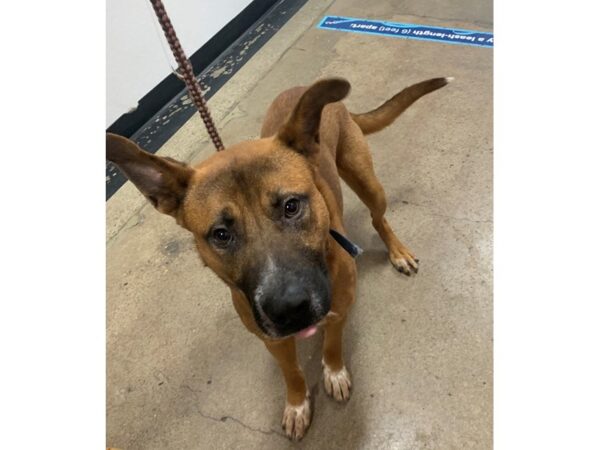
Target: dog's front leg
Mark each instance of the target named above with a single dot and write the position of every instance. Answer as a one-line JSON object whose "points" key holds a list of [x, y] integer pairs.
{"points": [[296, 416], [336, 377]]}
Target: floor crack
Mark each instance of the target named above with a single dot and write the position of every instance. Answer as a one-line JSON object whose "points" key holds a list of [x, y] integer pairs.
{"points": [[225, 418], [465, 219], [124, 227]]}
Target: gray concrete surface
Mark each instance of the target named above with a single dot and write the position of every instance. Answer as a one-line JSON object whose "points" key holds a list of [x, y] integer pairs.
{"points": [[183, 373]]}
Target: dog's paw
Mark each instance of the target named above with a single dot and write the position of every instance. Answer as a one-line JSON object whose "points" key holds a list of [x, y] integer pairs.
{"points": [[337, 383], [296, 419], [404, 261]]}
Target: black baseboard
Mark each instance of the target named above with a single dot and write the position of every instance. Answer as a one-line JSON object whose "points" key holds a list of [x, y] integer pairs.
{"points": [[159, 96], [167, 107]]}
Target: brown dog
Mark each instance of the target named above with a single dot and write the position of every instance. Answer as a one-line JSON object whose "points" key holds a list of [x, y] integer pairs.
{"points": [[261, 213]]}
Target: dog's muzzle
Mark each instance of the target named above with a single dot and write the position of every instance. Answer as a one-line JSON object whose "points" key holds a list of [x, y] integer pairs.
{"points": [[290, 299]]}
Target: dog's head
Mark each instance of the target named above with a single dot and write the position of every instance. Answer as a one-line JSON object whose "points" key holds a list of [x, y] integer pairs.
{"points": [[257, 214]]}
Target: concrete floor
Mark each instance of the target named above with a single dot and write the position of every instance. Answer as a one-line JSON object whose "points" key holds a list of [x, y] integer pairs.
{"points": [[183, 373]]}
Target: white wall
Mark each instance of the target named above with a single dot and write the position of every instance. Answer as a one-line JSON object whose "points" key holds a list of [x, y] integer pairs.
{"points": [[137, 52]]}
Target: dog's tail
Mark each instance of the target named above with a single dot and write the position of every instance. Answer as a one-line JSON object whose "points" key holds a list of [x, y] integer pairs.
{"points": [[381, 117]]}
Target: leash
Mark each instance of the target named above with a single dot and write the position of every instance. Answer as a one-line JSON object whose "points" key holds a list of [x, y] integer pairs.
{"points": [[186, 72]]}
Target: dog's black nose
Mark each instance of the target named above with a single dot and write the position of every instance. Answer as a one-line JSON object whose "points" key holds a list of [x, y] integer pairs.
{"points": [[289, 308]]}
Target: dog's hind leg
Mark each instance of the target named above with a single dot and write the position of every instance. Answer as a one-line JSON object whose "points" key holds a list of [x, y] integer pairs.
{"points": [[297, 413], [355, 166]]}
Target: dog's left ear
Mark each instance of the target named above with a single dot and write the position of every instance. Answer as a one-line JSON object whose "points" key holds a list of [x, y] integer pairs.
{"points": [[163, 181], [301, 131]]}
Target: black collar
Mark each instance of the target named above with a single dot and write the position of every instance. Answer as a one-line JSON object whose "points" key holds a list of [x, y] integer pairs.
{"points": [[353, 249]]}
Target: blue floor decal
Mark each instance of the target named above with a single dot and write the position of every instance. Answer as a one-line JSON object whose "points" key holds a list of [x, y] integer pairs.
{"points": [[408, 31]]}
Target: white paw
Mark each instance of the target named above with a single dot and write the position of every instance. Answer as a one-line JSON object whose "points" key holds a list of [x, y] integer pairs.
{"points": [[404, 261], [337, 384], [296, 419]]}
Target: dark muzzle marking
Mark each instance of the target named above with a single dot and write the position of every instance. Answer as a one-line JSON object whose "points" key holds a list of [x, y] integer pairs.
{"points": [[353, 249]]}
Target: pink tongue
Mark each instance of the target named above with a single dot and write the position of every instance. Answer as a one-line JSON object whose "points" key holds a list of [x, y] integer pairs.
{"points": [[307, 332]]}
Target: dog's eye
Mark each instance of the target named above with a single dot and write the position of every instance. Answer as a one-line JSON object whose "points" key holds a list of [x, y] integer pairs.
{"points": [[222, 236], [292, 207]]}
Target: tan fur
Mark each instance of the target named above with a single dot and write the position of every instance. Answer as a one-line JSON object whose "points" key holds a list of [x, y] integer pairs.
{"points": [[383, 116], [308, 138]]}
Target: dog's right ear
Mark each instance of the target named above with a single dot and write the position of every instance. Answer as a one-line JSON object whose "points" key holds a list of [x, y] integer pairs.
{"points": [[163, 181], [301, 131]]}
